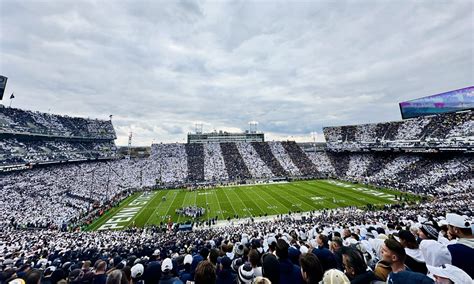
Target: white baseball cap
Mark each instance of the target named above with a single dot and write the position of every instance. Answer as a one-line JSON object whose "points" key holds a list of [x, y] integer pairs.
{"points": [[188, 259], [137, 270], [450, 272], [166, 265], [458, 220]]}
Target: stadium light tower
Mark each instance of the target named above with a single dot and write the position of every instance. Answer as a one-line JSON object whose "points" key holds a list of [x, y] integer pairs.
{"points": [[253, 126], [314, 134], [198, 127], [130, 145]]}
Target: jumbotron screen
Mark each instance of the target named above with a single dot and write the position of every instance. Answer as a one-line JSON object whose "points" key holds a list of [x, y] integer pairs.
{"points": [[452, 101]]}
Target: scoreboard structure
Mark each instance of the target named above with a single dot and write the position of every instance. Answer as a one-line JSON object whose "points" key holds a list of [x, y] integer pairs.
{"points": [[222, 136], [452, 101]]}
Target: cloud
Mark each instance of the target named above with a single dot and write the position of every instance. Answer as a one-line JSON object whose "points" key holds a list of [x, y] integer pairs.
{"points": [[159, 67]]}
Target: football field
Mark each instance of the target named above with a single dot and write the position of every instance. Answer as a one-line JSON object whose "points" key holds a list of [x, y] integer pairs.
{"points": [[148, 208]]}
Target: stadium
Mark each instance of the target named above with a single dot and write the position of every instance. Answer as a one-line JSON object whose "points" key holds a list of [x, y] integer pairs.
{"points": [[376, 202], [371, 173]]}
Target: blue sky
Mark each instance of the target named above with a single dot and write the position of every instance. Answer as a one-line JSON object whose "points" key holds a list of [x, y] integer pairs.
{"points": [[161, 66]]}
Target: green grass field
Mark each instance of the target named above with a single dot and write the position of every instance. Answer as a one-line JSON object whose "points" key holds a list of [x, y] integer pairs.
{"points": [[142, 209]]}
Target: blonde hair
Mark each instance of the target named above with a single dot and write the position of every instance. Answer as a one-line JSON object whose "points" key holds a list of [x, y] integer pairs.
{"points": [[261, 280]]}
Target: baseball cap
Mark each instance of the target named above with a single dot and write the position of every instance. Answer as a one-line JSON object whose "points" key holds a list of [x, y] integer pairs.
{"points": [[156, 252], [334, 276], [137, 270], [188, 259], [450, 272], [166, 265], [458, 220]]}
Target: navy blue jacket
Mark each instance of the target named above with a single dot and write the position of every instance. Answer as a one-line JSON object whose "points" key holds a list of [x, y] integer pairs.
{"points": [[289, 272]]}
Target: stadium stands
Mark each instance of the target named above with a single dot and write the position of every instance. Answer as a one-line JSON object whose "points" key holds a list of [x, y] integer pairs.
{"points": [[450, 130], [49, 199], [234, 163], [144, 251], [28, 137], [299, 158], [266, 155], [195, 156], [17, 121], [214, 169]]}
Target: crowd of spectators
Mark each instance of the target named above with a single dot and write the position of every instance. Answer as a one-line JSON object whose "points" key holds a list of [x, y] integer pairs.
{"points": [[404, 241], [443, 130], [284, 159], [264, 151], [169, 160], [300, 159], [20, 122], [234, 163], [254, 163], [214, 169], [421, 173], [28, 137], [73, 189], [195, 159], [14, 151], [407, 243]]}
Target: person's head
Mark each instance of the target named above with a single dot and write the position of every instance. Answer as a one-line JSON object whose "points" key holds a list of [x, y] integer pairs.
{"points": [[353, 262], [282, 249], [407, 239], [246, 274], [86, 265], [33, 276], [448, 274], [253, 257], [459, 226], [101, 266], [204, 252], [75, 276], [114, 277], [187, 261], [261, 280], [322, 240], [335, 276], [226, 263], [336, 243], [346, 233], [213, 255], [393, 252], [166, 266], [205, 273], [428, 232], [311, 268], [272, 243], [270, 267]]}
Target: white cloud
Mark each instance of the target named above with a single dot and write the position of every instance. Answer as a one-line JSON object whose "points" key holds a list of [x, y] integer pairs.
{"points": [[159, 66]]}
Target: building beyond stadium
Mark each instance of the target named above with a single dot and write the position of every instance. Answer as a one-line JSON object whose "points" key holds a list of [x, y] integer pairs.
{"points": [[223, 136]]}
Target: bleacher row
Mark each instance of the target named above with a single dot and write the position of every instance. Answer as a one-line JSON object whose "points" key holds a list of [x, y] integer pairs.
{"points": [[443, 130]]}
